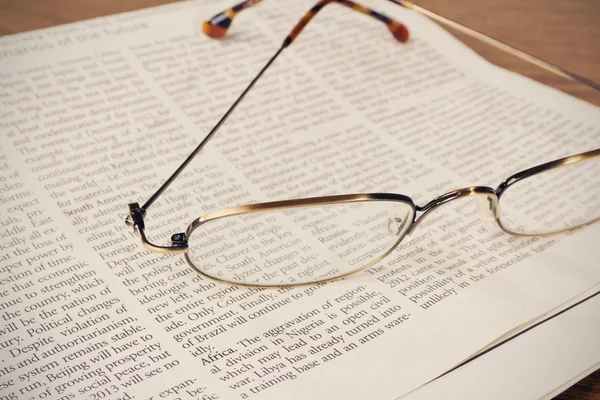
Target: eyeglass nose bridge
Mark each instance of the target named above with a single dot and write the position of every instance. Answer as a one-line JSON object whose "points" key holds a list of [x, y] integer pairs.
{"points": [[439, 201]]}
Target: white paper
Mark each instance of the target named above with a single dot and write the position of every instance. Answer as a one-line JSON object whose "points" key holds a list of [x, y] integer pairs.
{"points": [[98, 113], [538, 364]]}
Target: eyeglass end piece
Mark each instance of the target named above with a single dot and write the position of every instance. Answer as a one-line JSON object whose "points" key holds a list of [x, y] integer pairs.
{"points": [[179, 240], [136, 215]]}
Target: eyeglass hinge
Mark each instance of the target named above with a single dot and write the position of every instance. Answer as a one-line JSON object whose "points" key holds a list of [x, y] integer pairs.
{"points": [[136, 216]]}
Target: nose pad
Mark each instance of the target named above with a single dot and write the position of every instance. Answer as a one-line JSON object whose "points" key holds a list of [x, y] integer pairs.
{"points": [[395, 225], [484, 205]]}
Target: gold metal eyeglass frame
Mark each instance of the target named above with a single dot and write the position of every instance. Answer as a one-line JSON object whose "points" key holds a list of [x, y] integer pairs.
{"points": [[179, 243]]}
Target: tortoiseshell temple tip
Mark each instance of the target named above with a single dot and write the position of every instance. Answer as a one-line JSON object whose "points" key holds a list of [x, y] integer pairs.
{"points": [[217, 26], [399, 31]]}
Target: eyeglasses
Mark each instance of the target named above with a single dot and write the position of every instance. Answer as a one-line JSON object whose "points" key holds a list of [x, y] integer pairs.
{"points": [[313, 240]]}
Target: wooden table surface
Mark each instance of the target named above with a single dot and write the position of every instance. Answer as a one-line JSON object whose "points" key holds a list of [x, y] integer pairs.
{"points": [[566, 33]]}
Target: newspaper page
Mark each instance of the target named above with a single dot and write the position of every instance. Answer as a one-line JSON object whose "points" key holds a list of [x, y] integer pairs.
{"points": [[97, 114]]}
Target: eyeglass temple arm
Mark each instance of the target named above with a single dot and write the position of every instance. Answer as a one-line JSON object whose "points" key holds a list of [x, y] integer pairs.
{"points": [[218, 25], [499, 45], [304, 21], [400, 33], [214, 130]]}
